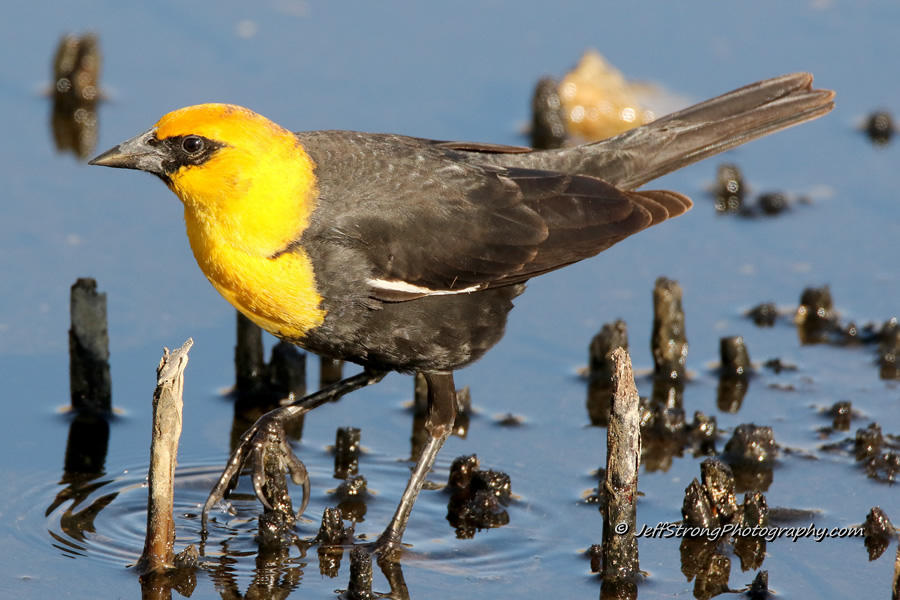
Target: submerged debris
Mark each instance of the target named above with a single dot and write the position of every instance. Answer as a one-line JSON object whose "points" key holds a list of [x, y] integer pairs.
{"points": [[462, 471], [696, 510], [731, 196], [331, 539], [729, 189], [841, 413], [880, 127], [777, 365], [666, 433], [751, 445], [332, 531], [879, 532], [735, 358], [718, 482], [713, 516], [751, 452], [479, 497], [773, 203], [595, 553], [816, 320], [889, 350], [703, 431], [884, 467], [764, 315], [868, 441], [76, 94], [712, 503], [510, 420], [354, 486], [759, 589], [818, 323], [875, 452]]}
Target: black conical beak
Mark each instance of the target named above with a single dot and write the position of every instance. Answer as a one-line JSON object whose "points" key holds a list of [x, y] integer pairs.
{"points": [[142, 152]]}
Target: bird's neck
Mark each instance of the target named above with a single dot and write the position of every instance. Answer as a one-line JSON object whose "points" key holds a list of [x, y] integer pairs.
{"points": [[244, 239]]}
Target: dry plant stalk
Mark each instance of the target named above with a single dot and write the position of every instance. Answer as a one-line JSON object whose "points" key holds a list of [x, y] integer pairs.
{"points": [[159, 547]]}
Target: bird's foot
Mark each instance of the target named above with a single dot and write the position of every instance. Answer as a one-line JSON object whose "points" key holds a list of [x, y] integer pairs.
{"points": [[270, 456], [387, 547]]}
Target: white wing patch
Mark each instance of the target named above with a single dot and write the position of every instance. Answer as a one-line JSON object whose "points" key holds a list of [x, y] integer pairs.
{"points": [[408, 288]]}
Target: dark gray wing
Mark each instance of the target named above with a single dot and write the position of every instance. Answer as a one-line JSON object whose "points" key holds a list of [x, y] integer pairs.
{"points": [[463, 228]]}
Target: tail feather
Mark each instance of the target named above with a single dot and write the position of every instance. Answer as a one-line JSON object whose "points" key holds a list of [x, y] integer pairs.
{"points": [[635, 157], [661, 204]]}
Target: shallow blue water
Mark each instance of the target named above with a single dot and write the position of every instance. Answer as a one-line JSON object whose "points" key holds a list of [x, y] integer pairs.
{"points": [[455, 71]]}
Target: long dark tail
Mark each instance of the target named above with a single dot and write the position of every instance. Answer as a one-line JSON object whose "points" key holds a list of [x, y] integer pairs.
{"points": [[635, 157]]}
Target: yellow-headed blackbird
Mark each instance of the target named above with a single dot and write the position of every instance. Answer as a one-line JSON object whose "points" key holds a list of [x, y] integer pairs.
{"points": [[405, 254]]}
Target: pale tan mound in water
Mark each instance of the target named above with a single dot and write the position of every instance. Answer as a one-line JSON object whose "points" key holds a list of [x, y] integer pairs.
{"points": [[598, 102]]}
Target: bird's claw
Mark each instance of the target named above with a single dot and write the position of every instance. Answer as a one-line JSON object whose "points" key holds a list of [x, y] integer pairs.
{"points": [[270, 455], [386, 548]]}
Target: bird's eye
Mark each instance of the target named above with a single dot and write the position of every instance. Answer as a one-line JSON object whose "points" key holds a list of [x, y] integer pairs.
{"points": [[192, 144]]}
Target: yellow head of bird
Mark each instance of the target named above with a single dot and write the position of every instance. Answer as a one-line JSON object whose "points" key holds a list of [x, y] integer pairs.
{"points": [[241, 177]]}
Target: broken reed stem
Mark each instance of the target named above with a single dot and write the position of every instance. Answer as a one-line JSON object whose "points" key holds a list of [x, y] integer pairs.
{"points": [[331, 370], [623, 460], [159, 547], [346, 452], [668, 342], [90, 382], [895, 588], [600, 363], [249, 361]]}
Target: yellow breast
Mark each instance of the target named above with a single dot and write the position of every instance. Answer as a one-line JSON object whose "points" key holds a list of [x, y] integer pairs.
{"points": [[278, 294]]}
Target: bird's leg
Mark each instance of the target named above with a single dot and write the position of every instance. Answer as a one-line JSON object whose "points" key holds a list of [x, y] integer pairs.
{"points": [[439, 423], [268, 432]]}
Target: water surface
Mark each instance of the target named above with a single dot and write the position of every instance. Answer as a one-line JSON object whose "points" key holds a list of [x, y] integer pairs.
{"points": [[456, 71]]}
